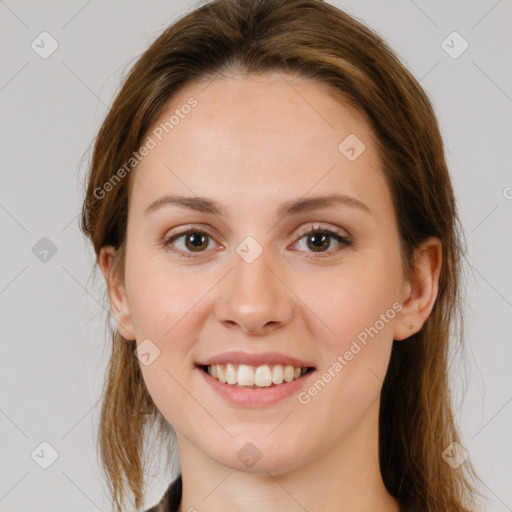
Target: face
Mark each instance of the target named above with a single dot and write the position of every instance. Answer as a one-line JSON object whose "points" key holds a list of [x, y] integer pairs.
{"points": [[248, 277]]}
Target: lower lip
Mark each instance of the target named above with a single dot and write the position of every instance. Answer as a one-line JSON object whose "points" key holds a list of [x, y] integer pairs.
{"points": [[260, 397]]}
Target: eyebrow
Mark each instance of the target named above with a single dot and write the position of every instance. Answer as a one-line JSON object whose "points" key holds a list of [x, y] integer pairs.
{"points": [[292, 207]]}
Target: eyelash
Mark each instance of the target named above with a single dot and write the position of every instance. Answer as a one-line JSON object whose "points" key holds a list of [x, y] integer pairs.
{"points": [[344, 242]]}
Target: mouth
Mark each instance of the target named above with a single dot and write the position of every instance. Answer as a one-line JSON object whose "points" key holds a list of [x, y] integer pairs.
{"points": [[255, 377]]}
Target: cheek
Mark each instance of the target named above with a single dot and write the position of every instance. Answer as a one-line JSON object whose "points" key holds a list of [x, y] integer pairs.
{"points": [[355, 358], [353, 299], [359, 307], [164, 308], [159, 295]]}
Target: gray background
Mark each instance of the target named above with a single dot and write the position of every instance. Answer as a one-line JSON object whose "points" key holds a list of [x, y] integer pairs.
{"points": [[53, 336]]}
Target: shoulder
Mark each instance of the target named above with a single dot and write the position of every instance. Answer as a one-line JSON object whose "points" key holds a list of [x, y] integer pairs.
{"points": [[171, 499]]}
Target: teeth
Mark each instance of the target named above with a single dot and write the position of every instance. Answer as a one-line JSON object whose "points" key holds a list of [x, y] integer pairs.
{"points": [[231, 374], [221, 375], [261, 376], [245, 375], [277, 374]]}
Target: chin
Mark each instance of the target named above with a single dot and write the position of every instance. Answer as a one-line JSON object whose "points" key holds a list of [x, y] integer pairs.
{"points": [[258, 457]]}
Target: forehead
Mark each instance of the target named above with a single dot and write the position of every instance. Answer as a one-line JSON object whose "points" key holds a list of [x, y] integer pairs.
{"points": [[263, 136]]}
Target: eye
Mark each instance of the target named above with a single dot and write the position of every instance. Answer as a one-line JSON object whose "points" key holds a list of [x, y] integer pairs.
{"points": [[197, 241], [318, 238]]}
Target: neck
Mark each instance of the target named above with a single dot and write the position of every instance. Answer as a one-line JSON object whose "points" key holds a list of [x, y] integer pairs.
{"points": [[347, 478]]}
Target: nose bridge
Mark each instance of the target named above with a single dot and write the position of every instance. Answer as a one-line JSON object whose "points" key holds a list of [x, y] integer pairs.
{"points": [[252, 295]]}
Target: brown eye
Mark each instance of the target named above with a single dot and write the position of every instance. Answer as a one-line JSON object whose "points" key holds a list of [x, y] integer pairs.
{"points": [[193, 242], [319, 240]]}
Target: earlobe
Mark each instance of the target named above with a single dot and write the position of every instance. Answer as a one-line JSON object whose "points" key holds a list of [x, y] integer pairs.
{"points": [[117, 294], [419, 293]]}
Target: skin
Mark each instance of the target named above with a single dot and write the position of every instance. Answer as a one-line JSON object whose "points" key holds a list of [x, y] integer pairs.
{"points": [[251, 143]]}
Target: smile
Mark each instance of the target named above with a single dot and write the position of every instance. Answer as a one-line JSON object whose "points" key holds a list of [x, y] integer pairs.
{"points": [[262, 376]]}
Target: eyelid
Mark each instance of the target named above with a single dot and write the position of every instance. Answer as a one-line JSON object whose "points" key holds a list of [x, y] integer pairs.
{"points": [[191, 227], [319, 226]]}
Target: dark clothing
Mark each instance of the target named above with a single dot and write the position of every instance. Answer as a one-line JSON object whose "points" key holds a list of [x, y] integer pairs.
{"points": [[171, 499]]}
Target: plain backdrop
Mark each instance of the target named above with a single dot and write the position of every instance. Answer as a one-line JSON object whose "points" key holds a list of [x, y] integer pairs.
{"points": [[53, 337]]}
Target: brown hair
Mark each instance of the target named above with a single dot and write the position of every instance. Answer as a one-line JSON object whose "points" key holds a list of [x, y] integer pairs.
{"points": [[314, 40]]}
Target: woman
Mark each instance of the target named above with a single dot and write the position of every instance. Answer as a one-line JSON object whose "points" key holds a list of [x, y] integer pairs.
{"points": [[271, 209]]}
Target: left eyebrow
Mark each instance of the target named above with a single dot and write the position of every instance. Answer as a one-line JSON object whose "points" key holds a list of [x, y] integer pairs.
{"points": [[302, 205], [292, 207]]}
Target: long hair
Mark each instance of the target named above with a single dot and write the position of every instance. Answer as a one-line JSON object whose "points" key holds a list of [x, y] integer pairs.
{"points": [[312, 39]]}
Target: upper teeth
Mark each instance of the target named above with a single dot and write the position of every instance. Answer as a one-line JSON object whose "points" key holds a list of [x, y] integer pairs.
{"points": [[261, 376]]}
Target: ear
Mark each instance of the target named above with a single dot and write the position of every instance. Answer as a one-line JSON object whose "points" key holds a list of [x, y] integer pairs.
{"points": [[419, 292], [117, 294]]}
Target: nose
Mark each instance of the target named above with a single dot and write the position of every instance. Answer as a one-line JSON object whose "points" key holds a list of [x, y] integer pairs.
{"points": [[254, 297]]}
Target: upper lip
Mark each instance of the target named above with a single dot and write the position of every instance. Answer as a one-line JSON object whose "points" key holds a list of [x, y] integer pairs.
{"points": [[238, 357]]}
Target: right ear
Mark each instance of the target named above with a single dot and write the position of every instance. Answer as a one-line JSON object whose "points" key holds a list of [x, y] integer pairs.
{"points": [[117, 294]]}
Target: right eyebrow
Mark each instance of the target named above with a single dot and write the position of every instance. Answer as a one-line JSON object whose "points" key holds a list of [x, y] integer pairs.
{"points": [[201, 204]]}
